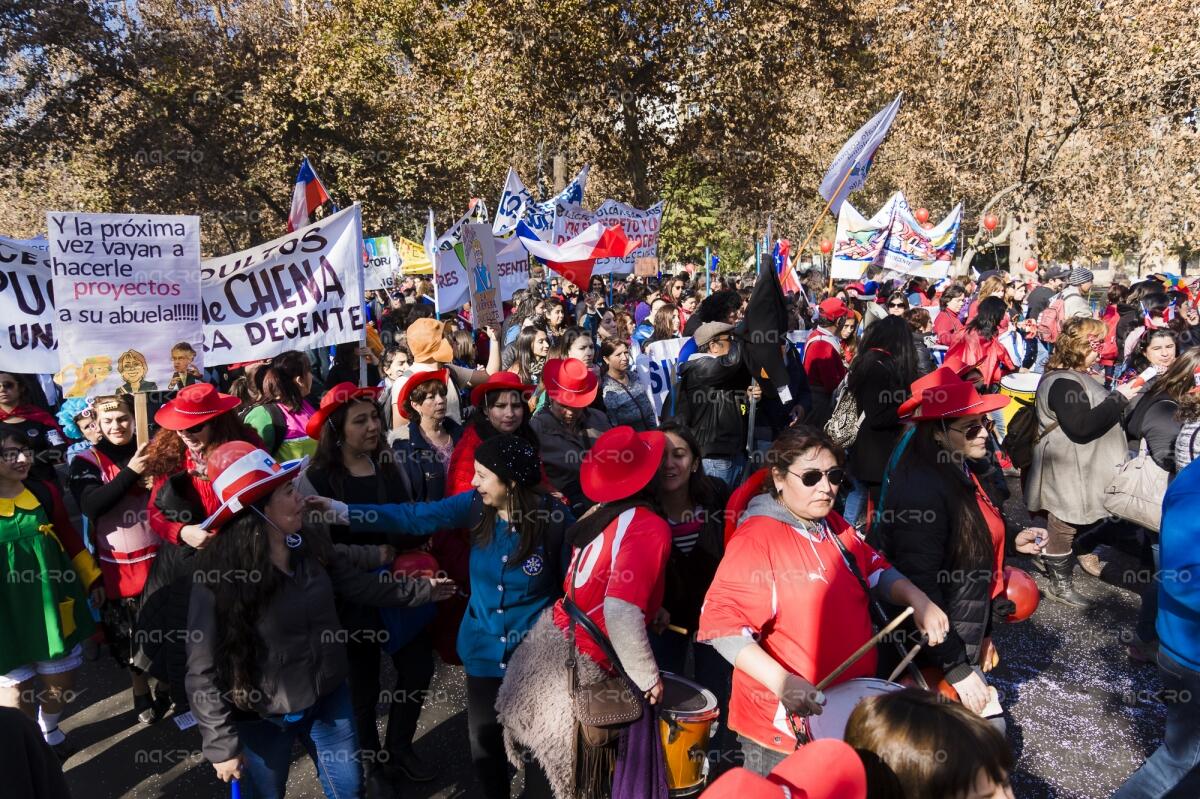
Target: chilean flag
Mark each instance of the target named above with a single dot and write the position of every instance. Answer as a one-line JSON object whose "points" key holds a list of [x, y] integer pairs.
{"points": [[787, 275], [575, 258], [308, 195]]}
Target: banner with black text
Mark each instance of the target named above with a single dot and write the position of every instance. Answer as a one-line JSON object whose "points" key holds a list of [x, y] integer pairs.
{"points": [[26, 307]]}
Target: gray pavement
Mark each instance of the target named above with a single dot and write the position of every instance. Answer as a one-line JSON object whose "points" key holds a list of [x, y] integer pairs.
{"points": [[1081, 717]]}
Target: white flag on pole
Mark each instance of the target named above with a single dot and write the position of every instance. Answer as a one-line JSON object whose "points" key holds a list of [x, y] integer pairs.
{"points": [[855, 157]]}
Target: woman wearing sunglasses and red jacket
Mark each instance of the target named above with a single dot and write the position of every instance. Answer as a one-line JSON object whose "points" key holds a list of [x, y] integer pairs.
{"points": [[943, 529], [786, 608]]}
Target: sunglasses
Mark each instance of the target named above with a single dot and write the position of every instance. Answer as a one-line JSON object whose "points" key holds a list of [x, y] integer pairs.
{"points": [[810, 477], [199, 428], [973, 430], [897, 305]]}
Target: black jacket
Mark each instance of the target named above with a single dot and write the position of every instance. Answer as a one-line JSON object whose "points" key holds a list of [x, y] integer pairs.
{"points": [[879, 394], [711, 391], [1153, 418], [925, 363], [426, 474], [914, 534], [688, 576], [772, 412]]}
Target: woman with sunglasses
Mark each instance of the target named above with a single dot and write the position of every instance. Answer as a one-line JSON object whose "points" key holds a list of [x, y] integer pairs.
{"points": [[897, 303], [19, 414], [787, 604], [943, 527], [1080, 446]]}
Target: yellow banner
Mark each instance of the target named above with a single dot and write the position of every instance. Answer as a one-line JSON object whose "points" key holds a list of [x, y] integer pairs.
{"points": [[412, 257]]}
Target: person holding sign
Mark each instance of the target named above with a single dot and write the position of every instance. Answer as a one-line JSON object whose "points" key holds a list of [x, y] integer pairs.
{"points": [[109, 484], [263, 593]]}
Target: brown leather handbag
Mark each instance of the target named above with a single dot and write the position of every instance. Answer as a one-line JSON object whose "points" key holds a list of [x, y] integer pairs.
{"points": [[604, 707]]}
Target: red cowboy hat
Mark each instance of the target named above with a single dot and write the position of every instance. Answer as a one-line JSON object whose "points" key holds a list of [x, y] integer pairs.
{"points": [[501, 381], [333, 399], [194, 405], [953, 401], [941, 376], [823, 769], [621, 463], [417, 378], [570, 382], [242, 474]]}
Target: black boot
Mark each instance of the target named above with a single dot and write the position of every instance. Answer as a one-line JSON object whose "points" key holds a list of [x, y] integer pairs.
{"points": [[1060, 569]]}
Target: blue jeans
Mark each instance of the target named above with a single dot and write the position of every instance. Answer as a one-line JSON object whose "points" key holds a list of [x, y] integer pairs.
{"points": [[728, 469], [856, 504], [1174, 768], [326, 731]]}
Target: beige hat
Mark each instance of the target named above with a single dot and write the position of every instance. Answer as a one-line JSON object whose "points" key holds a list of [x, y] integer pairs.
{"points": [[708, 331]]}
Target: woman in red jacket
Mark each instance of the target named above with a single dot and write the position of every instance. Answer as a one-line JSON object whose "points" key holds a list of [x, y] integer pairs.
{"points": [[977, 346]]}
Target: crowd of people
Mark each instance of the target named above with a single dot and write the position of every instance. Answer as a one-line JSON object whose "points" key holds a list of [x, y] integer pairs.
{"points": [[521, 503]]}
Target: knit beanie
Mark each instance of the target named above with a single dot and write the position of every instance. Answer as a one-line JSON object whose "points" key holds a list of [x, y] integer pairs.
{"points": [[512, 458], [1078, 276]]}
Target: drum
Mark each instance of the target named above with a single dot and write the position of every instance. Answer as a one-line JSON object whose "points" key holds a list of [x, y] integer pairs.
{"points": [[1021, 387], [840, 701], [687, 720]]}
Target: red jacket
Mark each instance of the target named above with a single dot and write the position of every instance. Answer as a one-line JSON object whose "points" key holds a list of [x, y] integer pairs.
{"points": [[988, 356]]}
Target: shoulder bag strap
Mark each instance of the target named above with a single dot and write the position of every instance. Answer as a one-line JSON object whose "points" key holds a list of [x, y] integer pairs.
{"points": [[576, 615]]}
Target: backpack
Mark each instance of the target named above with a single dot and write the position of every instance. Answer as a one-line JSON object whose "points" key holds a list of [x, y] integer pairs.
{"points": [[843, 425], [1022, 436], [1049, 321]]}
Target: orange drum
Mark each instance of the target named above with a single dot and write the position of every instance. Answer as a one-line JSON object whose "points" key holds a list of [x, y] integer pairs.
{"points": [[687, 721]]}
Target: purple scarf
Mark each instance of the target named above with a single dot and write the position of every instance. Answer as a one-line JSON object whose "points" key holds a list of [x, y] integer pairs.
{"points": [[641, 771]]}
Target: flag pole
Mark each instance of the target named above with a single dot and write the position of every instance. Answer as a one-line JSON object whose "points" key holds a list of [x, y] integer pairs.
{"points": [[707, 272], [813, 231]]}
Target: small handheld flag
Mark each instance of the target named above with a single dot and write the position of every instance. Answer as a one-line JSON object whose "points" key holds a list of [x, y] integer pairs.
{"points": [[308, 195]]}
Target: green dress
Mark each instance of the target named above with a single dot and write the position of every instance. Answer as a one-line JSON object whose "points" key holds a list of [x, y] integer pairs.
{"points": [[43, 607]]}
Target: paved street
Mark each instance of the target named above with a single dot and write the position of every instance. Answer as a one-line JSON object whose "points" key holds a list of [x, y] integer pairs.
{"points": [[1082, 716]]}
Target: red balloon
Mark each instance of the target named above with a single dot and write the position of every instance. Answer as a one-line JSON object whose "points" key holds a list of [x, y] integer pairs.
{"points": [[927, 225], [417, 563], [1031, 264], [826, 246], [990, 221], [1022, 591], [922, 215]]}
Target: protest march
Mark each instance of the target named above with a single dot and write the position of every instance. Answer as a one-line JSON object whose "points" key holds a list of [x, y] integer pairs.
{"points": [[872, 502]]}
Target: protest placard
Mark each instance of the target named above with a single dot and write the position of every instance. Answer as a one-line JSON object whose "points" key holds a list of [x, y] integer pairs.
{"points": [[479, 247], [26, 307], [656, 367], [411, 257], [640, 226], [895, 241], [383, 262], [517, 204], [127, 290], [451, 276], [298, 292]]}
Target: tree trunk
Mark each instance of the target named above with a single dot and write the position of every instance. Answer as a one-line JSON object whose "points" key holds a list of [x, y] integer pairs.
{"points": [[1023, 243], [636, 163]]}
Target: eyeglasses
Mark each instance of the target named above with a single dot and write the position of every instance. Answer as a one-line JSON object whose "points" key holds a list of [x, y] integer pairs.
{"points": [[973, 430], [810, 477], [14, 454], [198, 428]]}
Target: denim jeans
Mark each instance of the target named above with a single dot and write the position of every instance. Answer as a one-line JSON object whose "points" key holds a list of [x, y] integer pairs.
{"points": [[856, 504], [327, 733], [1148, 612], [728, 469], [1174, 769]]}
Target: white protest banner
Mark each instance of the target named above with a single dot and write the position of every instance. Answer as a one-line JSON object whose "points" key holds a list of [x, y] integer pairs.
{"points": [[640, 226], [479, 247], [477, 212], [894, 240], [512, 265], [127, 290], [517, 203], [451, 276], [298, 292], [26, 307], [656, 367], [382, 263]]}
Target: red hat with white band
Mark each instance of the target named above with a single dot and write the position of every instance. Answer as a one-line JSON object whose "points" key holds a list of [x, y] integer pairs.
{"points": [[241, 475], [194, 405]]}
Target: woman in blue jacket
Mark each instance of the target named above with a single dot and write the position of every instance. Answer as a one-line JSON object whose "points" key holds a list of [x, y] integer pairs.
{"points": [[519, 556]]}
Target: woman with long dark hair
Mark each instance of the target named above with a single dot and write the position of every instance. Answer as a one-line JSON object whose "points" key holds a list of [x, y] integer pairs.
{"points": [[626, 399], [945, 531], [1156, 348], [281, 416], [977, 346], [517, 562], [354, 464], [19, 413], [532, 348], [266, 662], [879, 377]]}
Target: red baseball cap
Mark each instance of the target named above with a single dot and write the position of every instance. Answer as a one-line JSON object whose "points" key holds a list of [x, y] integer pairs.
{"points": [[833, 308]]}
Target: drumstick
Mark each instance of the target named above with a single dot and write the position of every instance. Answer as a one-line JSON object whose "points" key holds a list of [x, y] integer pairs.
{"points": [[862, 650], [912, 653], [677, 629]]}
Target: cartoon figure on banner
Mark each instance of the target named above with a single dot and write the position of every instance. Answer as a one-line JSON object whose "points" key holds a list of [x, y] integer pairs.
{"points": [[483, 275], [184, 373], [132, 366], [861, 244], [78, 379]]}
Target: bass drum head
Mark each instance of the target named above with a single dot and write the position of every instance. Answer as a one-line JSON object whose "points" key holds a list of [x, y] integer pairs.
{"points": [[840, 701], [683, 697]]}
